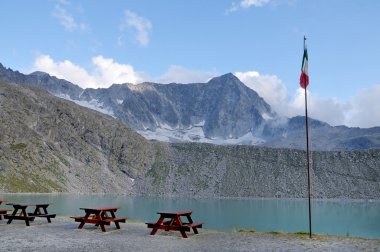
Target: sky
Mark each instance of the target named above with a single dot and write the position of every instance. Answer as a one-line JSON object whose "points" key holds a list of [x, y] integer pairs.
{"points": [[97, 43]]}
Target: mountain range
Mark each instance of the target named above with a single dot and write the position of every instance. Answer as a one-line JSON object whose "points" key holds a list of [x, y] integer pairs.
{"points": [[221, 111], [49, 144]]}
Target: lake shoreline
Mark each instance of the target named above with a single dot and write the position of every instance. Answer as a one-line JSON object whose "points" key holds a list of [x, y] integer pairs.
{"points": [[63, 235], [193, 197]]}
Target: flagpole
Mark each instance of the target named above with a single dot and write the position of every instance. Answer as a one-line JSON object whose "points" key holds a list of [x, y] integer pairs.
{"points": [[307, 151]]}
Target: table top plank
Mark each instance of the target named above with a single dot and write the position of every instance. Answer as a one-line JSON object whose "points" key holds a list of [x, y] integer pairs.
{"points": [[100, 208], [29, 204], [181, 213]]}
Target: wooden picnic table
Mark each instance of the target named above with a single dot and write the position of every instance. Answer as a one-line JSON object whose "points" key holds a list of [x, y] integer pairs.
{"points": [[172, 221], [20, 213], [100, 216]]}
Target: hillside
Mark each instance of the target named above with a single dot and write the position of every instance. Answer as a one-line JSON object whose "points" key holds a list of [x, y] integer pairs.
{"points": [[49, 144]]}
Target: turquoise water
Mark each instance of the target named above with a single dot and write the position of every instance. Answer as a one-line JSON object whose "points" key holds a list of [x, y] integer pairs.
{"points": [[340, 217]]}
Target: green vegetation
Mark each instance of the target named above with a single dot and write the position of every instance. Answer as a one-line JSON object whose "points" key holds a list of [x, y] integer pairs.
{"points": [[301, 233], [160, 169], [18, 146], [247, 231], [275, 233]]}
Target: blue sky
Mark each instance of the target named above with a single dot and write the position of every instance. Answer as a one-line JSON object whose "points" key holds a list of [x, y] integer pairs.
{"points": [[97, 43]]}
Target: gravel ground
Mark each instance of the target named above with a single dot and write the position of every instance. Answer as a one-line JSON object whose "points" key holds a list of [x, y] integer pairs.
{"points": [[63, 235]]}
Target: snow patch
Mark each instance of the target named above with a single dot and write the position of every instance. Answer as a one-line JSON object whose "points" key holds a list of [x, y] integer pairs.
{"points": [[93, 104], [119, 101], [267, 117], [196, 134]]}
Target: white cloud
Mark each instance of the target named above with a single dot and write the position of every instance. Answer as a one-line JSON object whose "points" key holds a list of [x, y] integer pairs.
{"points": [[329, 110], [105, 72], [245, 4], [140, 25], [365, 108], [66, 19], [179, 74], [108, 71], [270, 87], [255, 3]]}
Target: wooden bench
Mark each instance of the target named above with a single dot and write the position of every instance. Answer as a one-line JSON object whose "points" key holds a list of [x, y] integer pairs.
{"points": [[77, 218], [19, 217], [3, 212], [43, 215], [114, 220], [106, 221], [185, 226]]}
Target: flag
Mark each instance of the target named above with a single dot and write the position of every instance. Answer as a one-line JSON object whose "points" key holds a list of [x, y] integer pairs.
{"points": [[304, 79]]}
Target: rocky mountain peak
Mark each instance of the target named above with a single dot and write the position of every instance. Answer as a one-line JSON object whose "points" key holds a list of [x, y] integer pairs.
{"points": [[39, 73], [228, 77]]}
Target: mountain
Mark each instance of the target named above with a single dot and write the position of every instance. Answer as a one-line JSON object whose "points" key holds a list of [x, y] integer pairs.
{"points": [[48, 144], [222, 108], [291, 134], [221, 111], [41, 80]]}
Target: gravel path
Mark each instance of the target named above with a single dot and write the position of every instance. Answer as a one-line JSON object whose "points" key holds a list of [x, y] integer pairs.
{"points": [[63, 235]]}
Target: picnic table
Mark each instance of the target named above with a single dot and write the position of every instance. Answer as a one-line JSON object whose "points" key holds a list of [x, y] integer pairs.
{"points": [[100, 216], [172, 221], [3, 211], [20, 213]]}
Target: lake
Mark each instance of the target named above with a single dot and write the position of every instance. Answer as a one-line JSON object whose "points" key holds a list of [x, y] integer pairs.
{"points": [[356, 218]]}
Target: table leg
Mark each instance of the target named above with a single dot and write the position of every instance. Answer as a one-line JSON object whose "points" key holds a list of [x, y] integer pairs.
{"points": [[114, 216], [99, 218], [13, 214], [195, 230], [159, 222], [82, 222], [177, 221], [25, 215], [46, 212], [183, 233]]}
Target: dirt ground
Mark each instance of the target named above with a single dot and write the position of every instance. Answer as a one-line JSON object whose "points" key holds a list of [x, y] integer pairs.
{"points": [[63, 235]]}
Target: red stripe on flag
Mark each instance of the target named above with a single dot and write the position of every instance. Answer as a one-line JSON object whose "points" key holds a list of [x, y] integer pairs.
{"points": [[304, 80]]}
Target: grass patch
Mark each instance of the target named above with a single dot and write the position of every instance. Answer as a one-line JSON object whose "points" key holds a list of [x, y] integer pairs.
{"points": [[247, 230], [18, 146], [275, 233], [301, 233]]}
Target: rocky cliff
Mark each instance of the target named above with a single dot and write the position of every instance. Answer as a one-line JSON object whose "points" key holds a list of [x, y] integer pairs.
{"points": [[48, 144], [247, 171]]}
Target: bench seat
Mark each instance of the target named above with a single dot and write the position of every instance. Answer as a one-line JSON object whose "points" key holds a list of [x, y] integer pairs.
{"points": [[121, 219], [18, 217], [184, 227], [3, 212], [194, 225], [96, 221], [43, 215]]}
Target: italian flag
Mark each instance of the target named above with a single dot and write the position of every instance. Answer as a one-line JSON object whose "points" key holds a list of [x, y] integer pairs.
{"points": [[304, 79]]}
